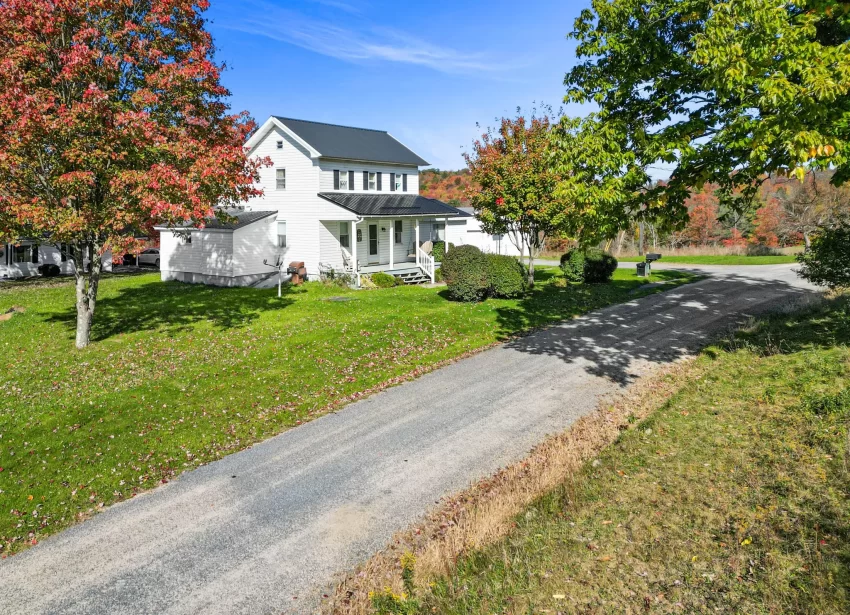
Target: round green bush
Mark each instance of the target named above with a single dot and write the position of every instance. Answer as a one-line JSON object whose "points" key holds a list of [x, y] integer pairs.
{"points": [[572, 264], [384, 280], [439, 250], [465, 272], [599, 267], [506, 276], [591, 266], [827, 261]]}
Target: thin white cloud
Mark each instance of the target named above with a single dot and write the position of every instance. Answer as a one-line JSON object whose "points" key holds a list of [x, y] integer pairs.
{"points": [[370, 43], [336, 4]]}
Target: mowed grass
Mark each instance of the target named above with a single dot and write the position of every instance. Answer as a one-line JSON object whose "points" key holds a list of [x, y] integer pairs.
{"points": [[727, 259], [734, 497], [180, 375]]}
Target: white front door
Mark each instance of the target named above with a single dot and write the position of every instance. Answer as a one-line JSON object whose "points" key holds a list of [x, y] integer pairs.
{"points": [[373, 247]]}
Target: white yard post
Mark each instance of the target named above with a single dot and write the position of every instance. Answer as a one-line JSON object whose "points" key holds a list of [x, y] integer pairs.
{"points": [[392, 242]]}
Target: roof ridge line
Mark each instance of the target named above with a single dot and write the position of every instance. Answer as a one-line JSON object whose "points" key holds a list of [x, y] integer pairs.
{"points": [[292, 119]]}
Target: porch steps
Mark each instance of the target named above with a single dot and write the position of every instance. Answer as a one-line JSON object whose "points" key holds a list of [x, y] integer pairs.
{"points": [[411, 276]]}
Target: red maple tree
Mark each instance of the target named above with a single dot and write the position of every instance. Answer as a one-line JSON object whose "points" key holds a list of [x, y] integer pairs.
{"points": [[112, 119]]}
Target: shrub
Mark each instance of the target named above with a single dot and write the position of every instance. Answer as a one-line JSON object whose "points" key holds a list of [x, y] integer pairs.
{"points": [[827, 261], [588, 266], [465, 272], [438, 275], [505, 276], [599, 267], [384, 280], [572, 264], [49, 270], [439, 251]]}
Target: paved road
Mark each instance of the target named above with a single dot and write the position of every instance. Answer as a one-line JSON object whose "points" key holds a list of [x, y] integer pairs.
{"points": [[249, 533]]}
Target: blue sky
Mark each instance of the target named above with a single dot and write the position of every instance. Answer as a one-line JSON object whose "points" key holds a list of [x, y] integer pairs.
{"points": [[424, 71]]}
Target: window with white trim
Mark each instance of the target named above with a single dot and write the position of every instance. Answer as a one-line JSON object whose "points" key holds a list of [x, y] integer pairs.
{"points": [[281, 234], [373, 181], [345, 234], [399, 227], [25, 254], [343, 180], [398, 182], [280, 179]]}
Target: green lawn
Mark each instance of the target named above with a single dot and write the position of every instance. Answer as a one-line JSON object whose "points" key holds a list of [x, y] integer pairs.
{"points": [[733, 497], [180, 375], [729, 259]]}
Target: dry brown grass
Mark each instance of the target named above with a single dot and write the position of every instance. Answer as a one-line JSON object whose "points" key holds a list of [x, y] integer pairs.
{"points": [[485, 512]]}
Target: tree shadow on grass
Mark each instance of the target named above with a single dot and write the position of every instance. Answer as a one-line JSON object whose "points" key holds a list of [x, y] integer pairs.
{"points": [[174, 307], [660, 328]]}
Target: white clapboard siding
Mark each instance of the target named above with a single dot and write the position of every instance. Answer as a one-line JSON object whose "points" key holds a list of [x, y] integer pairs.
{"points": [[209, 253], [299, 204], [330, 252], [47, 255], [328, 166], [253, 244]]}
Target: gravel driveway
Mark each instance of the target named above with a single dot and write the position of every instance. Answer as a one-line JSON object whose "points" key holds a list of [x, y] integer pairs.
{"points": [[266, 530]]}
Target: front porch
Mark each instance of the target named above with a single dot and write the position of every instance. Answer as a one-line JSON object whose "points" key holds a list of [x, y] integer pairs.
{"points": [[400, 246]]}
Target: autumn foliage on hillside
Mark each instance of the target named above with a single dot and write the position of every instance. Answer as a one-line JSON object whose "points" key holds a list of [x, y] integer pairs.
{"points": [[451, 187]]}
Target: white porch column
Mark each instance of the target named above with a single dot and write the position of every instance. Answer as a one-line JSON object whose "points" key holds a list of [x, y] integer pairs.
{"points": [[417, 236], [353, 242], [446, 250], [392, 242]]}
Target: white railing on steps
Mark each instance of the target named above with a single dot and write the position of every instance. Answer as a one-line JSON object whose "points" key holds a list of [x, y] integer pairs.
{"points": [[425, 262]]}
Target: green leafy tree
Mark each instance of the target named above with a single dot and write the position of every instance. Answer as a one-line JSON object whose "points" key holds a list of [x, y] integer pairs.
{"points": [[727, 92], [827, 261]]}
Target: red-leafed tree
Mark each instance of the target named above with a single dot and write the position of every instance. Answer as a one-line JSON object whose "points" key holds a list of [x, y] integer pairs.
{"points": [[514, 184], [768, 224], [703, 227], [112, 119]]}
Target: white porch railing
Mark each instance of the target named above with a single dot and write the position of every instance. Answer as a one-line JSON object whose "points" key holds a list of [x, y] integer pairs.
{"points": [[425, 262]]}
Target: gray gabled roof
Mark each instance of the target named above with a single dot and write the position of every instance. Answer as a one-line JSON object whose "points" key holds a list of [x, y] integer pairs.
{"points": [[243, 218], [332, 141], [390, 204]]}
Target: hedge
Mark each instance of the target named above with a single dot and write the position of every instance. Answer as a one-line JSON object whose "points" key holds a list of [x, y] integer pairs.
{"points": [[506, 276], [591, 266], [465, 272], [384, 280]]}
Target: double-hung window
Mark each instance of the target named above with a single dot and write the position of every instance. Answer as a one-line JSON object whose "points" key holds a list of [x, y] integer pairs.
{"points": [[399, 182], [343, 181], [25, 254], [373, 181], [345, 234], [399, 227], [281, 234], [280, 179]]}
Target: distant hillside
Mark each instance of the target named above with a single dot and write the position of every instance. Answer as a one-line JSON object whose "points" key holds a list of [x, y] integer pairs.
{"points": [[448, 186]]}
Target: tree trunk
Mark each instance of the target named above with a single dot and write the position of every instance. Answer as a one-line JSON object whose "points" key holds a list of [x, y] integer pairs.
{"points": [[807, 240], [530, 269], [87, 283]]}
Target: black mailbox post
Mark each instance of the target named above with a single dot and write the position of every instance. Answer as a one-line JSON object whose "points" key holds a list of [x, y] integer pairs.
{"points": [[644, 269]]}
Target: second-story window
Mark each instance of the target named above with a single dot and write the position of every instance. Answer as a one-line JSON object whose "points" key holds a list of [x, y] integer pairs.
{"points": [[398, 182], [280, 178], [373, 181], [343, 181]]}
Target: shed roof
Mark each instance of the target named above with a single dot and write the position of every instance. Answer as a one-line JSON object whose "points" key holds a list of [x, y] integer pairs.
{"points": [[242, 218]]}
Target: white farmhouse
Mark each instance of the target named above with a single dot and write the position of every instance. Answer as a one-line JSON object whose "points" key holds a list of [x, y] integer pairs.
{"points": [[336, 198]]}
